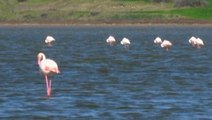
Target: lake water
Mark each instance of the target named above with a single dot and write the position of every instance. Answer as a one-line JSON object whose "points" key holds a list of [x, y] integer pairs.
{"points": [[98, 81]]}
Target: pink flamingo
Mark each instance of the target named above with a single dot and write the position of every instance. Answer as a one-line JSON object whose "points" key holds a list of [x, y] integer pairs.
{"points": [[47, 67], [196, 42], [166, 44], [49, 39], [158, 40], [111, 40], [125, 42], [192, 41]]}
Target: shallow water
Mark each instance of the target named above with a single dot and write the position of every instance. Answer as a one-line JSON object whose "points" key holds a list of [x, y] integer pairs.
{"points": [[99, 81]]}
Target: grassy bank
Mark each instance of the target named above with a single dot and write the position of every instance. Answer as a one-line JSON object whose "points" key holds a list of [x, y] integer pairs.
{"points": [[98, 10]]}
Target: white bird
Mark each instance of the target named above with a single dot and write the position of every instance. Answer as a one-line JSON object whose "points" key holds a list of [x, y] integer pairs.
{"points": [[192, 41], [125, 42], [111, 40], [49, 40], [166, 44], [196, 42], [199, 43], [157, 40]]}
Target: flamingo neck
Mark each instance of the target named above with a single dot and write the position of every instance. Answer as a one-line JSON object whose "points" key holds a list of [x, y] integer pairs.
{"points": [[41, 57]]}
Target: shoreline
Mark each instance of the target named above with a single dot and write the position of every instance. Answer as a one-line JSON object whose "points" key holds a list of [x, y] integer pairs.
{"points": [[108, 23]]}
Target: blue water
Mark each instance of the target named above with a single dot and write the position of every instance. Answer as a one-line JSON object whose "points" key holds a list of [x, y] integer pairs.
{"points": [[99, 81]]}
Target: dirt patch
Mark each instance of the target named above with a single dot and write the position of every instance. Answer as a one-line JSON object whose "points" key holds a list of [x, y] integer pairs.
{"points": [[106, 22]]}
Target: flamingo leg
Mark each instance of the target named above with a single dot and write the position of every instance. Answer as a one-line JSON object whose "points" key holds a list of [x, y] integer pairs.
{"points": [[126, 46], [111, 44], [48, 89], [49, 44]]}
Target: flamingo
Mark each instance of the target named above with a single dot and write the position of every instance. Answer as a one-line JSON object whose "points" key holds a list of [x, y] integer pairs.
{"points": [[125, 42], [49, 39], [199, 43], [166, 44], [192, 41], [196, 42], [47, 67], [111, 40], [157, 40]]}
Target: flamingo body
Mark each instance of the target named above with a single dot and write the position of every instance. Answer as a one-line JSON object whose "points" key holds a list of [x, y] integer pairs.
{"points": [[111, 40], [166, 44], [125, 42], [196, 42], [192, 40], [48, 66], [158, 40], [49, 39], [199, 43]]}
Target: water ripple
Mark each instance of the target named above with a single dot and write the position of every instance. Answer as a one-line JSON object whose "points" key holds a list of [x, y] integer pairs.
{"points": [[99, 81]]}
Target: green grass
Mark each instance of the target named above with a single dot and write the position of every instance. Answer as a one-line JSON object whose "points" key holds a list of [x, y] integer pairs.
{"points": [[195, 13], [202, 13], [38, 1], [62, 10]]}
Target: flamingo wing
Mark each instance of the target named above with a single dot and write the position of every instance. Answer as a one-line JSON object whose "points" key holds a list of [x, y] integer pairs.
{"points": [[48, 66]]}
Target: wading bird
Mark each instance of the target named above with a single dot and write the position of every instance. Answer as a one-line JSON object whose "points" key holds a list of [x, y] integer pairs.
{"points": [[166, 44], [49, 40], [47, 67], [158, 40], [196, 42], [192, 40], [111, 40], [125, 42], [199, 43]]}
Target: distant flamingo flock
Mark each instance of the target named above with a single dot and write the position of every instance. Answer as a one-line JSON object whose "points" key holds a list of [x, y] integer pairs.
{"points": [[166, 44], [125, 41], [49, 67], [195, 42]]}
